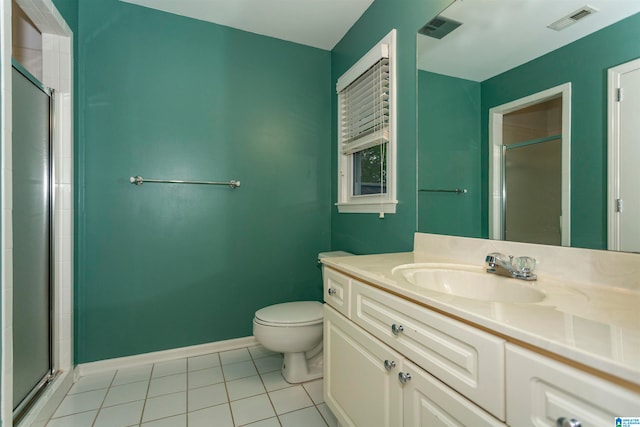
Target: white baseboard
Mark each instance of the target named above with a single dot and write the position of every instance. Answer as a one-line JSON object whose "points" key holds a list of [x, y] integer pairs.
{"points": [[162, 356]]}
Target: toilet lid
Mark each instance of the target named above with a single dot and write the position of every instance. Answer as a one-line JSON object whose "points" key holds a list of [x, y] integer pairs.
{"points": [[291, 312]]}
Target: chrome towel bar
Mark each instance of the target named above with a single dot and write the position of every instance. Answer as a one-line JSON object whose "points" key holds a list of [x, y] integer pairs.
{"points": [[138, 180], [457, 191]]}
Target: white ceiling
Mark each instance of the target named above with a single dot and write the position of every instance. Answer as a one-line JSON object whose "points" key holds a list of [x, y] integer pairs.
{"points": [[317, 23], [497, 35]]}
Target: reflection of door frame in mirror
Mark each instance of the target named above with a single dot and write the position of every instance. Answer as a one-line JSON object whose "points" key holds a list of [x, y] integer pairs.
{"points": [[496, 159], [613, 151]]}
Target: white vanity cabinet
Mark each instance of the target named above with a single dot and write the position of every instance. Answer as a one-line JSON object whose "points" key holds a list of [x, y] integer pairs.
{"points": [[379, 373], [392, 362], [541, 391]]}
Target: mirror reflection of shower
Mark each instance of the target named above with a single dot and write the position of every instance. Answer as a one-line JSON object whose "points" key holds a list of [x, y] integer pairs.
{"points": [[530, 168], [533, 173]]}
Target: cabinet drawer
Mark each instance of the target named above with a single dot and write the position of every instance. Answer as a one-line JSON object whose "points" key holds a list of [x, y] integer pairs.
{"points": [[358, 388], [468, 360], [337, 288], [541, 390], [428, 402]]}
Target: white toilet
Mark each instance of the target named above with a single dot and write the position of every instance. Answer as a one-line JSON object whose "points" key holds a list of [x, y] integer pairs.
{"points": [[295, 329]]}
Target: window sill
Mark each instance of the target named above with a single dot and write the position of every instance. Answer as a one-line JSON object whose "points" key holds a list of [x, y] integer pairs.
{"points": [[368, 207]]}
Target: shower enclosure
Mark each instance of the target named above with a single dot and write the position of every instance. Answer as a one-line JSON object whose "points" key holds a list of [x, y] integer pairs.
{"points": [[32, 237]]}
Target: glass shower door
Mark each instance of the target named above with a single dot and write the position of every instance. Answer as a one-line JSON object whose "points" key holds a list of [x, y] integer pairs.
{"points": [[32, 362]]}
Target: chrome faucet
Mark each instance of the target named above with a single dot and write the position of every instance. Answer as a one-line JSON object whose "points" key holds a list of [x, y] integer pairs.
{"points": [[518, 268]]}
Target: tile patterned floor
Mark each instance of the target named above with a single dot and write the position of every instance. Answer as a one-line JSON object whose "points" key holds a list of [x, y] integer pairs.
{"points": [[241, 387]]}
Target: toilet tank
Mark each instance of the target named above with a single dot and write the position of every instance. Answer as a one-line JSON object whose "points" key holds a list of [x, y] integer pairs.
{"points": [[332, 254]]}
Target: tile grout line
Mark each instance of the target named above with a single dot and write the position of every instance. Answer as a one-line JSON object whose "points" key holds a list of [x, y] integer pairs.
{"points": [[265, 388], [146, 395], [186, 397], [226, 390], [95, 419], [315, 405]]}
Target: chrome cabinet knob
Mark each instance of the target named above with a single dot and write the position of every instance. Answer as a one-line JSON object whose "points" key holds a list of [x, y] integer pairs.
{"points": [[404, 377], [566, 422], [397, 329], [331, 291], [389, 365]]}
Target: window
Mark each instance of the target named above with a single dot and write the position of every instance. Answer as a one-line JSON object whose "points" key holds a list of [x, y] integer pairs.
{"points": [[366, 132]]}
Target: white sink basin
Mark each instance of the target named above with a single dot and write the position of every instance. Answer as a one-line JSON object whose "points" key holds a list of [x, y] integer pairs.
{"points": [[469, 282]]}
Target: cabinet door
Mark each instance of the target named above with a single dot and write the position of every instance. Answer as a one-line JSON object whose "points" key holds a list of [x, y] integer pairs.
{"points": [[430, 403], [541, 390], [358, 388]]}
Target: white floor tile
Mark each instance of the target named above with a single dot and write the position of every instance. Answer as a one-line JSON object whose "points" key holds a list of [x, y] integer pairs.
{"points": [[290, 399], [204, 397], [176, 421], [234, 356], [315, 390], [328, 415], [166, 385], [215, 416], [308, 417], [271, 422], [245, 387], [269, 364], [251, 409], [120, 416], [171, 367], [165, 406], [126, 393], [274, 381], [205, 377], [84, 419], [238, 370], [92, 382], [259, 351], [193, 392], [133, 374], [202, 362], [81, 402]]}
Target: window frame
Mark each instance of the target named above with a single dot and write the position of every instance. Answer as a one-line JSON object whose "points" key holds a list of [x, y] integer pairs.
{"points": [[371, 203]]}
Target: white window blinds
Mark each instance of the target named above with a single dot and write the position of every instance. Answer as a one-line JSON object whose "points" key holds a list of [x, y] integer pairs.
{"points": [[364, 109]]}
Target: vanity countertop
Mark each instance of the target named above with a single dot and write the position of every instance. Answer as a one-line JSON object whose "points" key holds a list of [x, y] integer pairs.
{"points": [[597, 326]]}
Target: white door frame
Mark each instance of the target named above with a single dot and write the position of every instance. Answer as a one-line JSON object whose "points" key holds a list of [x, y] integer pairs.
{"points": [[613, 156], [496, 173], [614, 75]]}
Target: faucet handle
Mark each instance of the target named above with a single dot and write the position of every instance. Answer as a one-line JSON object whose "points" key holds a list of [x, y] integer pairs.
{"points": [[524, 264]]}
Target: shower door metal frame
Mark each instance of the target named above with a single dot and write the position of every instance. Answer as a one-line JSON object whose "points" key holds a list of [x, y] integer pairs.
{"points": [[27, 402]]}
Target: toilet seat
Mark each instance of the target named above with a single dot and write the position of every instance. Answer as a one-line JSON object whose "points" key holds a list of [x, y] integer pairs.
{"points": [[299, 313]]}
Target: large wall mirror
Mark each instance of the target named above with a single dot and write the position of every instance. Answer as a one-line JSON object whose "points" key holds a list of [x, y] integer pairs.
{"points": [[515, 122]]}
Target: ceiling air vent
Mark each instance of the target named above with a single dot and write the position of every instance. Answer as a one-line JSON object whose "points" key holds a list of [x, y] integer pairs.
{"points": [[572, 18], [439, 27]]}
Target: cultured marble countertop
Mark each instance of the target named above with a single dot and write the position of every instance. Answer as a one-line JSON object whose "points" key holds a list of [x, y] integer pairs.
{"points": [[597, 326]]}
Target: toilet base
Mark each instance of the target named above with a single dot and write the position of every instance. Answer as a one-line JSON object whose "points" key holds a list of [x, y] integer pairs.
{"points": [[296, 368]]}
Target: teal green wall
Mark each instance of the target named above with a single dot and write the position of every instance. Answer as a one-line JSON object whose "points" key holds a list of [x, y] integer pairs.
{"points": [[163, 266], [449, 154], [366, 233], [584, 63]]}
